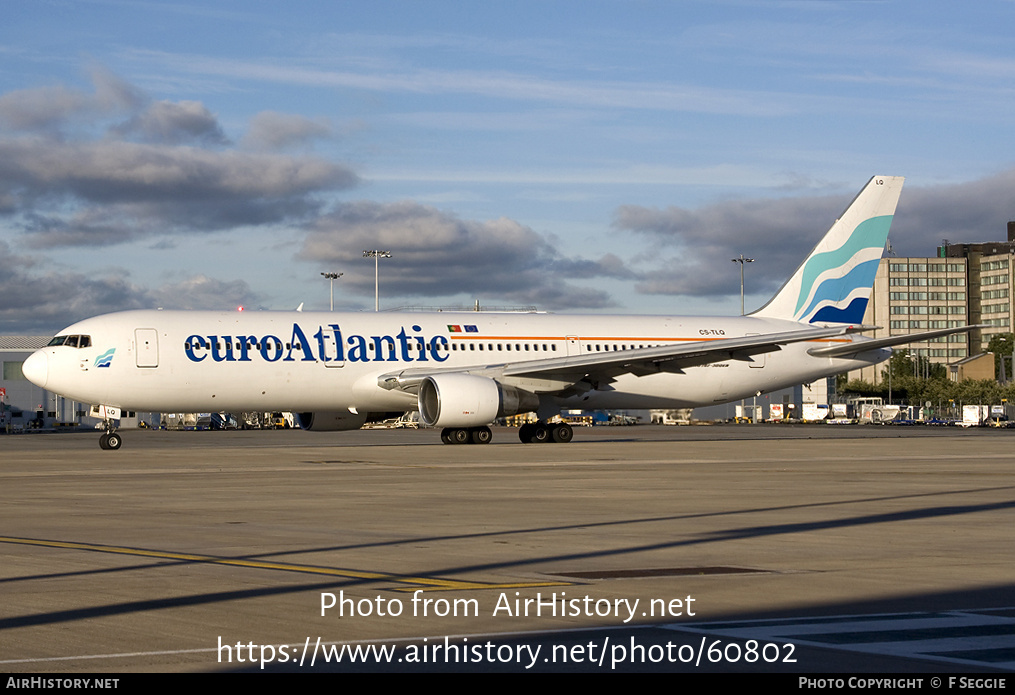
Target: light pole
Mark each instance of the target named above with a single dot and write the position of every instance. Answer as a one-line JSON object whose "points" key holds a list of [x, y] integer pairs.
{"points": [[741, 260], [332, 277], [1004, 376], [375, 254]]}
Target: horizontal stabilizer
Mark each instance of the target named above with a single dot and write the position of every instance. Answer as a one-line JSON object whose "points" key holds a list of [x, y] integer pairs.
{"points": [[865, 345]]}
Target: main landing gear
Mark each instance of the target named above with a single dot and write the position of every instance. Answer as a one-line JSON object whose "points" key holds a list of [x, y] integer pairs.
{"points": [[539, 432], [466, 435], [534, 432]]}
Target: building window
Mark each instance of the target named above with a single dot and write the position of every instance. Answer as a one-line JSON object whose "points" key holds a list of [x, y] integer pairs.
{"points": [[12, 371]]}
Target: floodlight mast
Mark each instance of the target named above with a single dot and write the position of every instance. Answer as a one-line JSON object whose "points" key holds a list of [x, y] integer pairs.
{"points": [[741, 260], [332, 277], [376, 254]]}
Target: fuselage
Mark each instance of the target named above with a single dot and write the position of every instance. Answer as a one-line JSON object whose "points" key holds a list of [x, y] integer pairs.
{"points": [[184, 361]]}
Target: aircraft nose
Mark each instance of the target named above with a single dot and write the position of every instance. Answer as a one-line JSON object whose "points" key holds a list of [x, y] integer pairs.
{"points": [[36, 368]]}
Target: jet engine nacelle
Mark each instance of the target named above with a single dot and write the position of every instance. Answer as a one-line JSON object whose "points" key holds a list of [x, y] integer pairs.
{"points": [[332, 421], [465, 400], [337, 420]]}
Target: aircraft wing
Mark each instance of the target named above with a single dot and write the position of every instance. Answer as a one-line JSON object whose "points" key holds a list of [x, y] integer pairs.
{"points": [[560, 374]]}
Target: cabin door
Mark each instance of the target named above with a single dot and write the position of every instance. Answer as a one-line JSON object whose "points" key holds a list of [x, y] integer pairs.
{"points": [[146, 347]]}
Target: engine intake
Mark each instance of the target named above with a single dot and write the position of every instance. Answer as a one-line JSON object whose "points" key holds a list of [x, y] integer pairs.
{"points": [[465, 400]]}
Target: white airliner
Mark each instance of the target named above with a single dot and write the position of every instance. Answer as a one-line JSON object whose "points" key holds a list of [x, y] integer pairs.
{"points": [[461, 371]]}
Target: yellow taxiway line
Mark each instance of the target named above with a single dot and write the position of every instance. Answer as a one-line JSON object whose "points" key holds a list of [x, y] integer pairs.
{"points": [[428, 583]]}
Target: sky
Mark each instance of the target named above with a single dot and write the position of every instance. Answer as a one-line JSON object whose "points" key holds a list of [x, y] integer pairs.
{"points": [[575, 156]]}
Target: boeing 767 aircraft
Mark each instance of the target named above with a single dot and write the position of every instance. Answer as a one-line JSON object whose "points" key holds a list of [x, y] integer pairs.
{"points": [[461, 371]]}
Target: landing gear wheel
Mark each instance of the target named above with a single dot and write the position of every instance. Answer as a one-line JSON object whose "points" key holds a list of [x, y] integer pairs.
{"points": [[525, 433], [466, 435], [110, 440], [480, 435], [540, 433], [561, 434], [459, 436], [537, 433]]}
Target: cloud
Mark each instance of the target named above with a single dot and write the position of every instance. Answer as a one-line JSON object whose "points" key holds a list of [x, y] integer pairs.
{"points": [[271, 130], [48, 109], [165, 170], [174, 123], [501, 84], [436, 254], [201, 292], [41, 108], [692, 249], [37, 301], [963, 212], [111, 192]]}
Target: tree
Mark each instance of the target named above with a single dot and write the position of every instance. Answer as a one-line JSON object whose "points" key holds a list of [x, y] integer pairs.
{"points": [[1001, 345], [913, 378]]}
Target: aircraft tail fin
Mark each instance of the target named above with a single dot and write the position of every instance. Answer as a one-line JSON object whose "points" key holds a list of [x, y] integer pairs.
{"points": [[834, 283]]}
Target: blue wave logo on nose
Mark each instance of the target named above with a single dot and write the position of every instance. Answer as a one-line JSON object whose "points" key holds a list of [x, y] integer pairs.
{"points": [[105, 358]]}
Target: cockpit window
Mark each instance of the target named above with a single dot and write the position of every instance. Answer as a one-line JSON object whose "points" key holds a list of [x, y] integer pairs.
{"points": [[77, 341]]}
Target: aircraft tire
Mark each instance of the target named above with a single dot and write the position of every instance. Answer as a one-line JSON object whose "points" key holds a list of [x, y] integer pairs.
{"points": [[104, 441], [480, 435], [459, 435], [540, 433], [446, 435], [113, 441], [525, 433], [561, 434]]}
